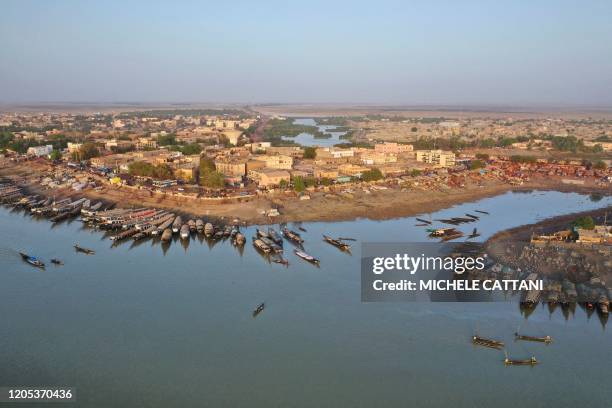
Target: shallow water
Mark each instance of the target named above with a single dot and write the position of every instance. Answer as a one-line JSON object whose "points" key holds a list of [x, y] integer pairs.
{"points": [[307, 139], [140, 326]]}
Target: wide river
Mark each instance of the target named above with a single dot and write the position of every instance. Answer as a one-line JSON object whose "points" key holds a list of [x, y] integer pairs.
{"points": [[136, 326]]}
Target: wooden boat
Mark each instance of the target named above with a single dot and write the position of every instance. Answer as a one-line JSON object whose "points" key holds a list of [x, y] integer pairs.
{"points": [[192, 225], [84, 250], [209, 229], [56, 261], [302, 229], [166, 235], [281, 261], [474, 234], [423, 221], [604, 305], [337, 243], [481, 212], [227, 231], [530, 361], [472, 216], [481, 341], [184, 231], [273, 245], [292, 236], [274, 236], [166, 225], [544, 339], [199, 225], [261, 246], [218, 234], [306, 257], [32, 260], [259, 309], [239, 239], [177, 224]]}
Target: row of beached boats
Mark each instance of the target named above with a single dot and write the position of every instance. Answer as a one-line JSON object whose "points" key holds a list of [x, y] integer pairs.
{"points": [[140, 223]]}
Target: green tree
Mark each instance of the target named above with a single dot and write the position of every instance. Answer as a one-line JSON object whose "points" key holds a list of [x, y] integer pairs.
{"points": [[600, 165], [209, 176], [415, 172], [298, 184], [482, 156], [86, 152], [584, 222], [477, 164], [283, 184], [166, 140], [55, 155], [372, 175], [310, 152]]}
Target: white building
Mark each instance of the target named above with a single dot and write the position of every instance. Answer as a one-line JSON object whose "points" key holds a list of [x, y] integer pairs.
{"points": [[39, 151]]}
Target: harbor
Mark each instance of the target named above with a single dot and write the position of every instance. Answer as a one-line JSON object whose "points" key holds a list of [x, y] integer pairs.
{"points": [[187, 307]]}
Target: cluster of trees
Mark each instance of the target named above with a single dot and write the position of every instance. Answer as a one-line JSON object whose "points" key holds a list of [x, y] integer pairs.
{"points": [[310, 152], [144, 169], [584, 222], [477, 164], [372, 175], [8, 141], [209, 176], [517, 158], [86, 152]]}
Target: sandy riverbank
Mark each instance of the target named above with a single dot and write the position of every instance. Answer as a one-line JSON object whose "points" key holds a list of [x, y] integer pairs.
{"points": [[376, 204]]}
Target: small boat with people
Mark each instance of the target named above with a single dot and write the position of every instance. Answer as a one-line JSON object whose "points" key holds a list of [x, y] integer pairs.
{"points": [[306, 257], [32, 260], [481, 341], [260, 308], [337, 243], [87, 251], [529, 361], [543, 339], [56, 261]]}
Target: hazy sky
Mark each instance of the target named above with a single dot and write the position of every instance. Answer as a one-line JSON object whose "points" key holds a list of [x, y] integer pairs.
{"points": [[389, 52]]}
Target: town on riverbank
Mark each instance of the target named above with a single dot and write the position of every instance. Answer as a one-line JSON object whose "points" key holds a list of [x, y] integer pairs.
{"points": [[236, 163]]}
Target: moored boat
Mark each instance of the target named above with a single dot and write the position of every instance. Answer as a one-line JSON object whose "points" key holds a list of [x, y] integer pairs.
{"points": [[292, 236], [184, 231], [177, 224], [167, 234], [306, 257]]}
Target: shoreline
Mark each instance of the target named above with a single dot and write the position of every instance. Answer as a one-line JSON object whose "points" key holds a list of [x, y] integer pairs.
{"points": [[321, 207]]}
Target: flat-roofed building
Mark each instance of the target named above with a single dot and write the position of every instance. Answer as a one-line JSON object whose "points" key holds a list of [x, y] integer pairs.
{"points": [[392, 148], [436, 157], [74, 147], [325, 172], [232, 167], [145, 143], [270, 177], [277, 161], [352, 169]]}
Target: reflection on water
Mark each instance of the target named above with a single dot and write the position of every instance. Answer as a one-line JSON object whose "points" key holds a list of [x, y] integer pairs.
{"points": [[158, 325], [307, 139]]}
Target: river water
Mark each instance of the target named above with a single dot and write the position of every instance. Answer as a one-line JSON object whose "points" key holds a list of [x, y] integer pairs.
{"points": [[307, 139], [139, 326]]}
